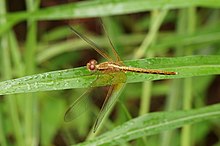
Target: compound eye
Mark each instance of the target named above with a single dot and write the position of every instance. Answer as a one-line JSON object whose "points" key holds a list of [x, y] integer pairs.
{"points": [[91, 65], [93, 61]]}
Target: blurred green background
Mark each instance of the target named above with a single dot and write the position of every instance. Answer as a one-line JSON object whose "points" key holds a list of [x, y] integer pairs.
{"points": [[35, 38]]}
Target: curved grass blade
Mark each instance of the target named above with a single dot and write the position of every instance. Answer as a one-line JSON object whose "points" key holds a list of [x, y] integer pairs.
{"points": [[154, 123], [187, 66]]}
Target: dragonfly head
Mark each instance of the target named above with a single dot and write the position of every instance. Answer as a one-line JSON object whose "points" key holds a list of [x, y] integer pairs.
{"points": [[91, 65]]}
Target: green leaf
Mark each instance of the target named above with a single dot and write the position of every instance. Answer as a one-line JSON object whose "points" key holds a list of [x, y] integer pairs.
{"points": [[188, 66], [153, 123], [51, 120], [166, 41], [98, 8]]}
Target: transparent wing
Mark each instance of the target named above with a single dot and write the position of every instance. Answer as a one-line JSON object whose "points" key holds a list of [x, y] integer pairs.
{"points": [[110, 100], [78, 107], [118, 59], [92, 44]]}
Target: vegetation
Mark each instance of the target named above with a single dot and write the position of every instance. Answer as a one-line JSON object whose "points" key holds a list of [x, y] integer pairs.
{"points": [[41, 73]]}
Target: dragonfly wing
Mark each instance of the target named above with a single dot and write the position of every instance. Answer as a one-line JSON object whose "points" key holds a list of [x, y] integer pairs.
{"points": [[110, 100], [118, 59], [92, 44], [78, 107]]}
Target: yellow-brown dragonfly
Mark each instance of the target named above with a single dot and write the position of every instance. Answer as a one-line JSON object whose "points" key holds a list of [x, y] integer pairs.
{"points": [[111, 66]]}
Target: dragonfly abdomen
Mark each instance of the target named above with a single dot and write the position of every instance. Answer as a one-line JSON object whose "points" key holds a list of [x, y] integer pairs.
{"points": [[148, 71], [112, 66]]}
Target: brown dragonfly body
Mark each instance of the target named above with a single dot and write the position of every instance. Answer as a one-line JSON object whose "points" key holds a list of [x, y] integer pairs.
{"points": [[112, 65]]}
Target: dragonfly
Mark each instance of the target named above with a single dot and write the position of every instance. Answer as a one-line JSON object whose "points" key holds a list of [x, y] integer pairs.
{"points": [[112, 65]]}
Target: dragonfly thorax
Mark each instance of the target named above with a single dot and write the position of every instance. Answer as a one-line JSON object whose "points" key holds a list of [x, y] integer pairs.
{"points": [[91, 65]]}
